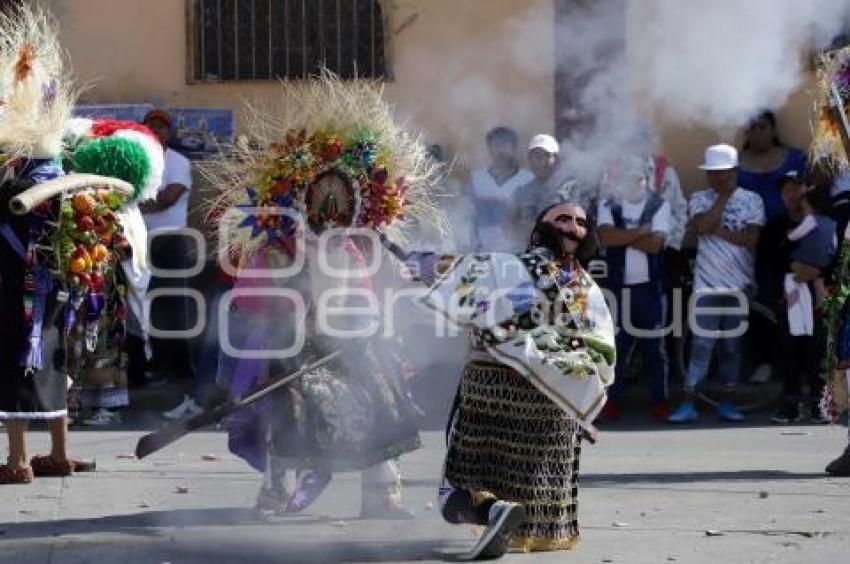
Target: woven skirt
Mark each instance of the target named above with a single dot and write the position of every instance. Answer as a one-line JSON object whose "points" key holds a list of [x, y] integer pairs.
{"points": [[509, 441]]}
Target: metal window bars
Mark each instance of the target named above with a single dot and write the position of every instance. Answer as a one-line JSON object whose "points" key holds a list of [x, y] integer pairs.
{"points": [[233, 40]]}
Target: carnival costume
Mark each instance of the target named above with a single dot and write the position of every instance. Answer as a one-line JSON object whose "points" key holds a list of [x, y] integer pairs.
{"points": [[331, 157], [63, 236], [542, 355], [831, 148]]}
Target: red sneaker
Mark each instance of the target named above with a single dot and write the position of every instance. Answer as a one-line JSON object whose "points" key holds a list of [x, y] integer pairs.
{"points": [[661, 411], [9, 475], [609, 413]]}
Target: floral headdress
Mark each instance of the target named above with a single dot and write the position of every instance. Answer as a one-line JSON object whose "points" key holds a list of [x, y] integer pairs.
{"points": [[333, 156]]}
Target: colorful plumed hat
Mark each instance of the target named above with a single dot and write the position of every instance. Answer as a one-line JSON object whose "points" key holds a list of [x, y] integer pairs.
{"points": [[331, 154], [119, 149]]}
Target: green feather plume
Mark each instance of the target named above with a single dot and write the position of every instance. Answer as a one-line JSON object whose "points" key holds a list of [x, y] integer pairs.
{"points": [[115, 157]]}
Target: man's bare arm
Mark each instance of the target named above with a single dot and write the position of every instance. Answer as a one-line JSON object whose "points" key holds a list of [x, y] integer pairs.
{"points": [[652, 243], [166, 198], [611, 236], [804, 272], [709, 221]]}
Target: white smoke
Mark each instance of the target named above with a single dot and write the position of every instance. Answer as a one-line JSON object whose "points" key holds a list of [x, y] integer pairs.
{"points": [[685, 62], [719, 63]]}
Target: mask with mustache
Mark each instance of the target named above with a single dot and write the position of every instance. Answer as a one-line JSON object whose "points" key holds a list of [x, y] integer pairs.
{"points": [[551, 237]]}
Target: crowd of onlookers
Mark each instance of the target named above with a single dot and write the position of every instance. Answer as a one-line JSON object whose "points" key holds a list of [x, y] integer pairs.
{"points": [[764, 229]]}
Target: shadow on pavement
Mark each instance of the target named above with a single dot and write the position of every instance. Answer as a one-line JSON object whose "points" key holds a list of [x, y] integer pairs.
{"points": [[147, 523]]}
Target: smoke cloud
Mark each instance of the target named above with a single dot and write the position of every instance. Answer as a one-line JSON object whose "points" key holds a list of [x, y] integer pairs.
{"points": [[718, 63]]}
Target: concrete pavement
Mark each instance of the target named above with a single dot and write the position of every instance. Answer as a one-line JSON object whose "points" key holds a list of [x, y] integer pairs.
{"points": [[649, 494]]}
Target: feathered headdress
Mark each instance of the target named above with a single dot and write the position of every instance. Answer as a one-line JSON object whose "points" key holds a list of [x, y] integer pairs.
{"points": [[36, 96], [330, 153]]}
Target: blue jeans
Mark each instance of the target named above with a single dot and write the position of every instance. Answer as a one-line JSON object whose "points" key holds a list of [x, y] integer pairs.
{"points": [[702, 345], [645, 312]]}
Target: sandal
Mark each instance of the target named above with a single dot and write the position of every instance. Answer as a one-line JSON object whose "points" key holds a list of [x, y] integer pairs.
{"points": [[9, 475], [45, 465]]}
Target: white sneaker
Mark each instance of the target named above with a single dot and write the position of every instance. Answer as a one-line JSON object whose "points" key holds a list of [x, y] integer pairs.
{"points": [[102, 418], [762, 374], [187, 408]]}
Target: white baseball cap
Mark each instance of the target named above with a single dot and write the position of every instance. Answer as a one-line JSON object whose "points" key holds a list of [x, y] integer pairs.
{"points": [[545, 142], [720, 157]]}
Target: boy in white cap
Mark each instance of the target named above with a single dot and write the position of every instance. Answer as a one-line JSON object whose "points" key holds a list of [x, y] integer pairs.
{"points": [[727, 220]]}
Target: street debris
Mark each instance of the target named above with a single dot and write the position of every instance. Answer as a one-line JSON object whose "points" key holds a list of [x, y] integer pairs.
{"points": [[713, 533], [763, 494], [181, 490], [209, 457]]}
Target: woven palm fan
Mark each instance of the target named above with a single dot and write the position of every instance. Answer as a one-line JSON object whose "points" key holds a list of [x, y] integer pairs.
{"points": [[329, 155]]}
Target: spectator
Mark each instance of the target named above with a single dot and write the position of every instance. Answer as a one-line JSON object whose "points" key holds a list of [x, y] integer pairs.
{"points": [[165, 217], [664, 181], [764, 161], [492, 189], [813, 247], [550, 185], [634, 223], [727, 219]]}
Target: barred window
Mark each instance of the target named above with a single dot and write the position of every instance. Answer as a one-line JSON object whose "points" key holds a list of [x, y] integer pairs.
{"points": [[267, 39]]}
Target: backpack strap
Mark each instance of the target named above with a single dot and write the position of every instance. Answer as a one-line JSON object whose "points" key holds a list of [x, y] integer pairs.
{"points": [[660, 171]]}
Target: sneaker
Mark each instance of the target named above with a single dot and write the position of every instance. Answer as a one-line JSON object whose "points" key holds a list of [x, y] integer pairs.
{"points": [[504, 518], [188, 408], [609, 413], [788, 413], [102, 418], [271, 503], [685, 413], [661, 411], [841, 465], [728, 412], [762, 374]]}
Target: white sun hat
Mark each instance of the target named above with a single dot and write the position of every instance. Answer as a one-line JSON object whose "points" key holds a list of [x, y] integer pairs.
{"points": [[720, 157]]}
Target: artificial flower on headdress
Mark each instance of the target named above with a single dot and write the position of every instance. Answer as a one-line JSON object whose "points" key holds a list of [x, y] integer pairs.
{"points": [[331, 156]]}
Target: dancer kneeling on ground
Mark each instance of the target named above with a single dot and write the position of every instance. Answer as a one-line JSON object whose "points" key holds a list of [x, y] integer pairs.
{"points": [[542, 356]]}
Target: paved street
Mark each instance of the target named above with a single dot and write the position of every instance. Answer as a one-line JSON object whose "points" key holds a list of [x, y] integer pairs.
{"points": [[650, 494]]}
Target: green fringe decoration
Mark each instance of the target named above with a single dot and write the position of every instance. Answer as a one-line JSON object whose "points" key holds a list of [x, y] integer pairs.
{"points": [[114, 157]]}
